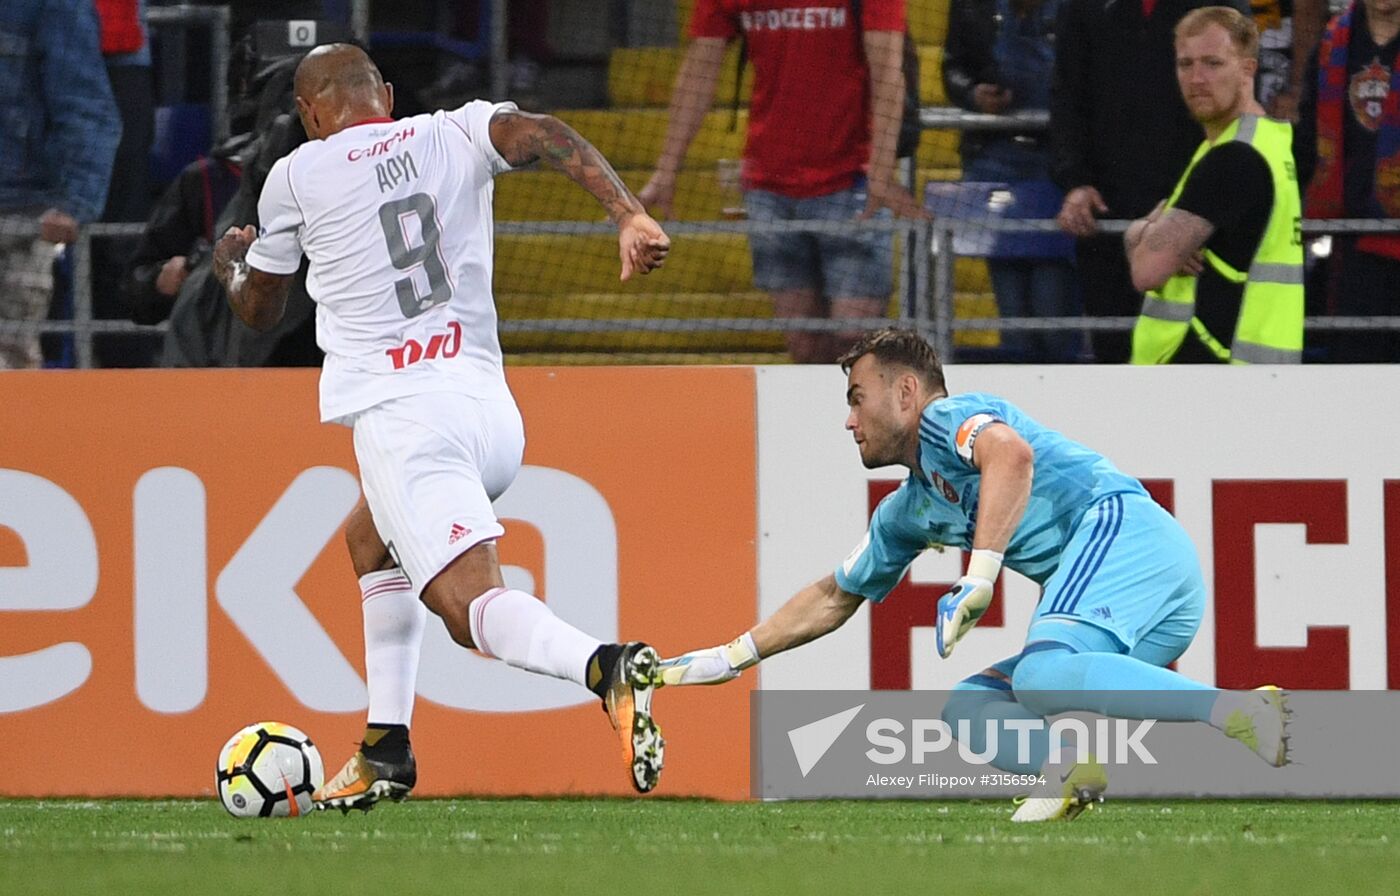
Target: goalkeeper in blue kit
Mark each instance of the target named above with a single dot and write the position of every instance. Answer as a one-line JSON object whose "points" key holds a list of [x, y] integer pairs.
{"points": [[1122, 592]]}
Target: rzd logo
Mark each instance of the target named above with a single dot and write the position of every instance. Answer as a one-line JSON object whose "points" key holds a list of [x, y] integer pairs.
{"points": [[440, 345]]}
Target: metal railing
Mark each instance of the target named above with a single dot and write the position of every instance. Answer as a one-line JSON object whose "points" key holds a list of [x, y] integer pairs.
{"points": [[930, 312], [928, 306], [951, 117], [945, 229]]}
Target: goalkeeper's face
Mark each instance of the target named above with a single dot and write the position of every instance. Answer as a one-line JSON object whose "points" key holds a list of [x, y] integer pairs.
{"points": [[877, 419]]}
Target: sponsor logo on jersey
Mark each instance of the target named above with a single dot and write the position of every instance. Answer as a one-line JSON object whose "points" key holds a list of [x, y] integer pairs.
{"points": [[440, 345], [968, 432], [795, 18], [379, 147], [458, 533], [945, 487]]}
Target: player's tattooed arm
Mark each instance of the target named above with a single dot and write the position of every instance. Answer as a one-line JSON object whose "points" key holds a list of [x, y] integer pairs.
{"points": [[1164, 244], [257, 297], [523, 137]]}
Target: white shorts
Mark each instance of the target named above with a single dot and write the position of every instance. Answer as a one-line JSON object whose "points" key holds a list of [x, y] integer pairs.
{"points": [[430, 465]]}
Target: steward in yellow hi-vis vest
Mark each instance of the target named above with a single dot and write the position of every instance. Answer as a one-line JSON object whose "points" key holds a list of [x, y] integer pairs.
{"points": [[1221, 259]]}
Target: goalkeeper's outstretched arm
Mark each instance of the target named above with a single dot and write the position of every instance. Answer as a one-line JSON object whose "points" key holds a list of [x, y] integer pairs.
{"points": [[810, 613]]}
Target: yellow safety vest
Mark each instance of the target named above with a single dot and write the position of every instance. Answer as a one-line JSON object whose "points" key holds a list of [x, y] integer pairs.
{"points": [[1270, 325]]}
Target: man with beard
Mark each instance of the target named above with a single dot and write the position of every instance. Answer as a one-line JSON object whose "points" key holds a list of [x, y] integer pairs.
{"points": [[1222, 256]]}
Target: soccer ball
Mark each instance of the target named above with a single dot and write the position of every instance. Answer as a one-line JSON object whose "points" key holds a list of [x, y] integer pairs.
{"points": [[268, 770]]}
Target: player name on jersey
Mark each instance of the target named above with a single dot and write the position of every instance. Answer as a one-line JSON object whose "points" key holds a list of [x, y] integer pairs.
{"points": [[395, 170]]}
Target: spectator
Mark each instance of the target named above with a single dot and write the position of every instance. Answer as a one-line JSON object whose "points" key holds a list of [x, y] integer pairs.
{"points": [[126, 50], [999, 58], [1223, 257], [828, 97], [180, 232], [1288, 33], [1348, 152], [204, 331], [1119, 135], [56, 148]]}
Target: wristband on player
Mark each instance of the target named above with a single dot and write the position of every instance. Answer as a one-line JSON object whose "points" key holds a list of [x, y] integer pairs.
{"points": [[741, 653], [984, 564]]}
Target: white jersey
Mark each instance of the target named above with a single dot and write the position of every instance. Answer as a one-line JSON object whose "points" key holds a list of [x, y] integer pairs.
{"points": [[395, 218]]}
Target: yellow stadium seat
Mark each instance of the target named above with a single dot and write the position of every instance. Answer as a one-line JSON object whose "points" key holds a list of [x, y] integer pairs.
{"points": [[974, 304], [931, 76], [939, 149], [547, 195], [618, 306], [646, 76], [631, 138], [613, 306], [971, 275], [928, 21], [547, 263]]}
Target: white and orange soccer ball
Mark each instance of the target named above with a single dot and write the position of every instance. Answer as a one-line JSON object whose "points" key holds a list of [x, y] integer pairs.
{"points": [[268, 770]]}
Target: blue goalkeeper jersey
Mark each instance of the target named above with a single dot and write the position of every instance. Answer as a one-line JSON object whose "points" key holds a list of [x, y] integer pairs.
{"points": [[937, 504]]}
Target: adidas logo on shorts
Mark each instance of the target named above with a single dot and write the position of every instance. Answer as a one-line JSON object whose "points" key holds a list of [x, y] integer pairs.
{"points": [[458, 533]]}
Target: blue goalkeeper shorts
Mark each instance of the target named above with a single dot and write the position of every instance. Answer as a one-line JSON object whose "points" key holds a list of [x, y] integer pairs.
{"points": [[1131, 570]]}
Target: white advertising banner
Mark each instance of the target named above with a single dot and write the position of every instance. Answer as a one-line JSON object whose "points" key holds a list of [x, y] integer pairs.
{"points": [[1287, 479]]}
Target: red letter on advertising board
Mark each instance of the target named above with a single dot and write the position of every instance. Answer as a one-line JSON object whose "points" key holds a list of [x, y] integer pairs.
{"points": [[1163, 491], [1321, 506]]}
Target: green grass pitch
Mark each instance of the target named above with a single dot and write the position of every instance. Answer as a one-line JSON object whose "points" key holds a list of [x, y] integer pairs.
{"points": [[662, 846]]}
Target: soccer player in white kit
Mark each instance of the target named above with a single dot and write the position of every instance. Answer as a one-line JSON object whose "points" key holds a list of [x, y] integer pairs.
{"points": [[395, 219]]}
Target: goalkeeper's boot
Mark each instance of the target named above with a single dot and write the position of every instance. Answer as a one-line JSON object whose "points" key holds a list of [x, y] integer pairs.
{"points": [[626, 687], [1261, 723], [384, 769], [1070, 789]]}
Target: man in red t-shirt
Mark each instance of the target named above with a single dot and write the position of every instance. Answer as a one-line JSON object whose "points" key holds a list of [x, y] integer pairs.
{"points": [[820, 82]]}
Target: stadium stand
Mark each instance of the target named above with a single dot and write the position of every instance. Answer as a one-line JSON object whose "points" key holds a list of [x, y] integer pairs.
{"points": [[708, 276]]}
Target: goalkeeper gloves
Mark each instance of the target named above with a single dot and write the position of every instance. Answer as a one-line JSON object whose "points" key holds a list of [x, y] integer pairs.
{"points": [[960, 608], [714, 665]]}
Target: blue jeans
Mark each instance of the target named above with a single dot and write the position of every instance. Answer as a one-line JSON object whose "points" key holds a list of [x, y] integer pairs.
{"points": [[856, 264], [1037, 288], [1027, 287]]}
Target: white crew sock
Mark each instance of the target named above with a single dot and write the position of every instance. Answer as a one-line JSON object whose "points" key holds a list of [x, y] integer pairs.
{"points": [[521, 630], [394, 620]]}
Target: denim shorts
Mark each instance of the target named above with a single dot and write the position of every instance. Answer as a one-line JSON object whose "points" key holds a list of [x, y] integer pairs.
{"points": [[857, 264]]}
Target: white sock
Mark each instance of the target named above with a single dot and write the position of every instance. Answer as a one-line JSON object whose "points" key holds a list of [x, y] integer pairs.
{"points": [[394, 621], [521, 630]]}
